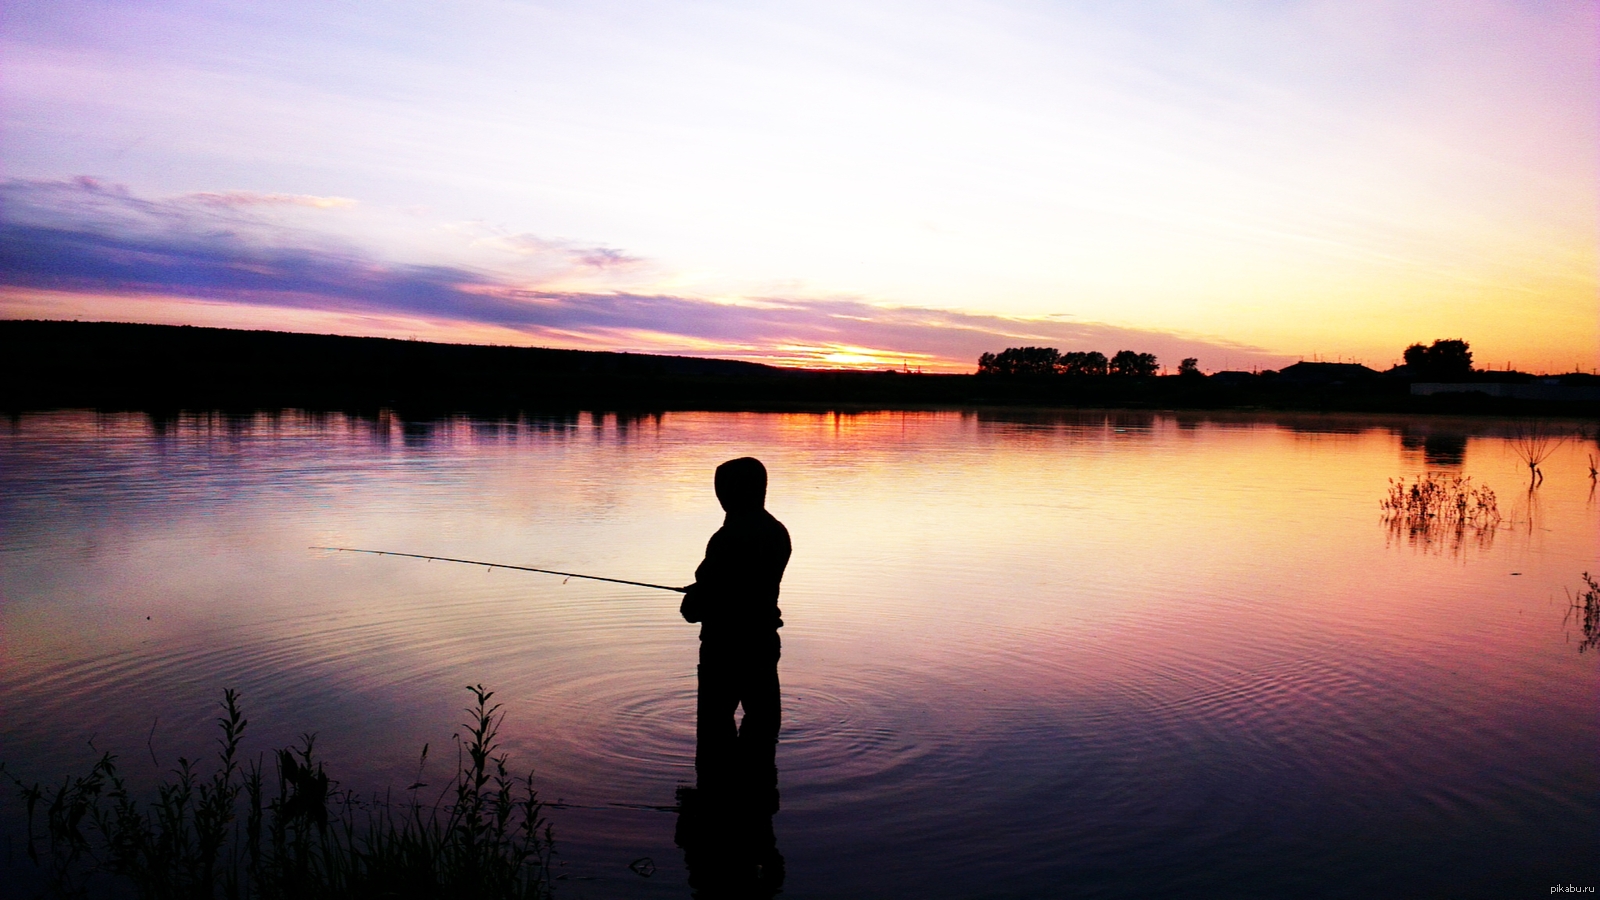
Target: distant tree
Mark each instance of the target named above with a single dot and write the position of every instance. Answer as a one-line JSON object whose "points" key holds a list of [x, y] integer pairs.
{"points": [[1450, 357], [1447, 358], [1127, 362], [1092, 362], [1020, 361], [1189, 366], [1416, 357]]}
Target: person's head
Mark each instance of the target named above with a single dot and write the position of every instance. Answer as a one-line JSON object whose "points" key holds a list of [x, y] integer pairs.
{"points": [[742, 484]]}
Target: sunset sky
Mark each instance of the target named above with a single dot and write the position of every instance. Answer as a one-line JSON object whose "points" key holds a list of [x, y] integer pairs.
{"points": [[815, 183]]}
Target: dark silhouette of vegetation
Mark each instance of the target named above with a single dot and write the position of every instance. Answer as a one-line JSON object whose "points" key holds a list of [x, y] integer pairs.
{"points": [[1435, 508], [1533, 441], [1039, 361], [1444, 360], [1436, 498], [1020, 361], [1127, 362], [1585, 609], [1190, 366], [227, 834], [1089, 362]]}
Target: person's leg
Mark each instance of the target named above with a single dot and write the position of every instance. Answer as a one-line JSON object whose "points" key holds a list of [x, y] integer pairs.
{"points": [[758, 733], [716, 734], [763, 703]]}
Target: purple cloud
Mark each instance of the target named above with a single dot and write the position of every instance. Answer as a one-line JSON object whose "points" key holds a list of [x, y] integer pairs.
{"points": [[84, 236], [604, 258], [256, 198]]}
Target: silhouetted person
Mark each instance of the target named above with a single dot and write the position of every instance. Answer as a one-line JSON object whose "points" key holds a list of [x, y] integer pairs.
{"points": [[735, 599], [725, 823]]}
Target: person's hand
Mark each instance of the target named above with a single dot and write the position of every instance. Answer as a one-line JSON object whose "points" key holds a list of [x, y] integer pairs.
{"points": [[690, 608]]}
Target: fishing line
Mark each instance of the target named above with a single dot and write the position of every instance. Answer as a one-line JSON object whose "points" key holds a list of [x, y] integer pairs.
{"points": [[495, 565]]}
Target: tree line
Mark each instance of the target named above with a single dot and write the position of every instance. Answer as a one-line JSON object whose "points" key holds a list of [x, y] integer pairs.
{"points": [[1050, 361], [1444, 359]]}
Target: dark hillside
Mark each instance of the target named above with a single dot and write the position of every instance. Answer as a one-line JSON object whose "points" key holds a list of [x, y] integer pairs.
{"points": [[105, 365]]}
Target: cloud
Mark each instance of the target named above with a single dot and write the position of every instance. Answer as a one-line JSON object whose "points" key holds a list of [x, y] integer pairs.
{"points": [[592, 257], [90, 238], [254, 198]]}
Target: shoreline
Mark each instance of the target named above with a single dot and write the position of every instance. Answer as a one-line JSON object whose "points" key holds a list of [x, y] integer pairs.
{"points": [[166, 368]]}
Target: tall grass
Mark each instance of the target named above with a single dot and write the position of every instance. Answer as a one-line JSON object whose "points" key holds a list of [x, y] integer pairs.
{"points": [[1434, 507], [1585, 608], [239, 832], [1444, 499]]}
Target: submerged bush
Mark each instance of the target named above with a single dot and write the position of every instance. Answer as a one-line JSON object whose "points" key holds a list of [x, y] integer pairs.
{"points": [[227, 835], [1533, 441]]}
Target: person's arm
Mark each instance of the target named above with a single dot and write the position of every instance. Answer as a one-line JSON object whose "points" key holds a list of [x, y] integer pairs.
{"points": [[697, 597]]}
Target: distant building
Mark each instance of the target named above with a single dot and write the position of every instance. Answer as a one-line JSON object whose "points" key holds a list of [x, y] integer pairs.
{"points": [[1326, 373], [1233, 377], [1549, 389]]}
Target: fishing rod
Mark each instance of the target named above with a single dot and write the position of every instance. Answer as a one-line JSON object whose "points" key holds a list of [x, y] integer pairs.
{"points": [[495, 565]]}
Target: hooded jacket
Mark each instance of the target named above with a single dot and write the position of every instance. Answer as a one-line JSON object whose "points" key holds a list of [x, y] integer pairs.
{"points": [[735, 592]]}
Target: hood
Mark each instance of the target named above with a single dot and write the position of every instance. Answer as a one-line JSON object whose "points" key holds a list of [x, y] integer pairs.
{"points": [[742, 485]]}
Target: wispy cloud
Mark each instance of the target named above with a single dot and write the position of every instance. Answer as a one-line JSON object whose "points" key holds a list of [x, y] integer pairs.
{"points": [[89, 238], [236, 199], [576, 254]]}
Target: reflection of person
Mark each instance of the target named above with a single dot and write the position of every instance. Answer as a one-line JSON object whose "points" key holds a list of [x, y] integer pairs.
{"points": [[725, 822], [735, 599], [729, 847]]}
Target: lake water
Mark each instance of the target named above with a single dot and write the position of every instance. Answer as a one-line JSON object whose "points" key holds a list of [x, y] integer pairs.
{"points": [[1026, 655]]}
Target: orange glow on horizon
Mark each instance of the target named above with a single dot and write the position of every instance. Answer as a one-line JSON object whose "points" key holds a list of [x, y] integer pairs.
{"points": [[27, 303], [1500, 349]]}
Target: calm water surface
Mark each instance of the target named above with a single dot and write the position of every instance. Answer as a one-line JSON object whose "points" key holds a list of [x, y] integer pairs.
{"points": [[1093, 655]]}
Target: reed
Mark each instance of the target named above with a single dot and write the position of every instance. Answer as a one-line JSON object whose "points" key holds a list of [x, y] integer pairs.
{"points": [[1434, 511], [1585, 609], [1435, 499], [238, 833]]}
